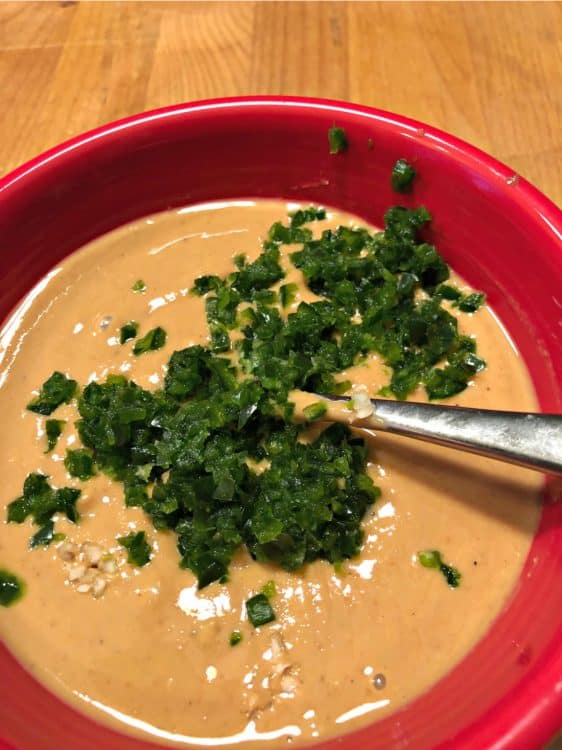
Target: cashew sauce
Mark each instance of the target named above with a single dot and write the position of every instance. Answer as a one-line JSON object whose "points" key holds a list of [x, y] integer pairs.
{"points": [[150, 654]]}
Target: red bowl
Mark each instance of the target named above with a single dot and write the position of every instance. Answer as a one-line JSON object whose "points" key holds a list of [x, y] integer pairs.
{"points": [[499, 232]]}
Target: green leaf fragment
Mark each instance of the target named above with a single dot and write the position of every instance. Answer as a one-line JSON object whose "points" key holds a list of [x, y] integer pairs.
{"points": [[56, 390], [153, 340], [269, 589], [287, 294], [128, 331], [12, 588], [402, 176], [315, 411], [259, 610], [79, 463], [432, 559], [337, 140], [139, 286], [235, 638], [53, 430], [138, 549], [44, 536]]}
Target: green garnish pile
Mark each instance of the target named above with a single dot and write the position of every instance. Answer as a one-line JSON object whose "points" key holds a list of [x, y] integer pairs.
{"points": [[214, 455]]}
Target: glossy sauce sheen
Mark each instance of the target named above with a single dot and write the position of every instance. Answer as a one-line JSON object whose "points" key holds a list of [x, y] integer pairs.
{"points": [[152, 654]]}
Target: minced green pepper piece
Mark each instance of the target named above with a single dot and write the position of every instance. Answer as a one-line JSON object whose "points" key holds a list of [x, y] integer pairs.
{"points": [[337, 140], [315, 411], [12, 588], [432, 559], [402, 176]]}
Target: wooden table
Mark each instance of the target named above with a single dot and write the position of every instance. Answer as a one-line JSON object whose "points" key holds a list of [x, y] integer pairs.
{"points": [[490, 73]]}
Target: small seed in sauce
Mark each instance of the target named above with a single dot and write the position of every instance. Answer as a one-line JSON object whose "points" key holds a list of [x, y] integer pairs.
{"points": [[379, 681]]}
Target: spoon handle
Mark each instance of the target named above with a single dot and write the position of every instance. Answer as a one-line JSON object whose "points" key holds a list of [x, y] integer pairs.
{"points": [[531, 440]]}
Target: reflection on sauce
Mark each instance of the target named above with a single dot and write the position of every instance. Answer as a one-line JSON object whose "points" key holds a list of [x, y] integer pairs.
{"points": [[152, 655]]}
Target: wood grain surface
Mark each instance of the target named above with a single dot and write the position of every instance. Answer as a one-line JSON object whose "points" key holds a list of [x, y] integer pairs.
{"points": [[489, 72]]}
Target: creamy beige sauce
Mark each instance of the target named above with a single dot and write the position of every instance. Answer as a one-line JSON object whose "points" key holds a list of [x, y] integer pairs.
{"points": [[152, 654]]}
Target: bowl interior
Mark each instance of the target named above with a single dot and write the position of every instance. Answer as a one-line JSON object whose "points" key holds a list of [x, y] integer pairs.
{"points": [[498, 232]]}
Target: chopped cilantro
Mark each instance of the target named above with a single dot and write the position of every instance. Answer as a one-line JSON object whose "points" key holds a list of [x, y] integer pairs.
{"points": [[235, 638], [432, 559], [11, 588], [304, 215], [154, 339], [337, 140], [56, 390], [53, 430], [79, 463], [402, 176], [139, 286], [128, 331], [138, 549], [259, 610], [315, 411]]}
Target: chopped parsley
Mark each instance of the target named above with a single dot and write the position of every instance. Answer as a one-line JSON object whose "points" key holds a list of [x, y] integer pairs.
{"points": [[56, 390], [337, 140], [12, 588], [402, 176], [259, 610], [235, 638], [138, 549], [53, 430], [154, 339], [432, 559], [128, 331], [139, 286], [79, 463]]}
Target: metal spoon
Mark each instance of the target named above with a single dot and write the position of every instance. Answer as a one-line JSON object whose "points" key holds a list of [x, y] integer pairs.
{"points": [[531, 440]]}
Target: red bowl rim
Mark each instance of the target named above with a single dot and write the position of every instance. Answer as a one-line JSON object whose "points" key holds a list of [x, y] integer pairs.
{"points": [[543, 718]]}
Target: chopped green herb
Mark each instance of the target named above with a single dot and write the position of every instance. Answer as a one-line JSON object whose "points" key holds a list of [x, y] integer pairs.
{"points": [[269, 589], [154, 339], [240, 261], [472, 302], [53, 430], [432, 559], [79, 463], [138, 549], [337, 140], [56, 390], [44, 536], [235, 637], [305, 215], [139, 286], [11, 588], [402, 176], [41, 501], [259, 610], [315, 411], [287, 294], [128, 331]]}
